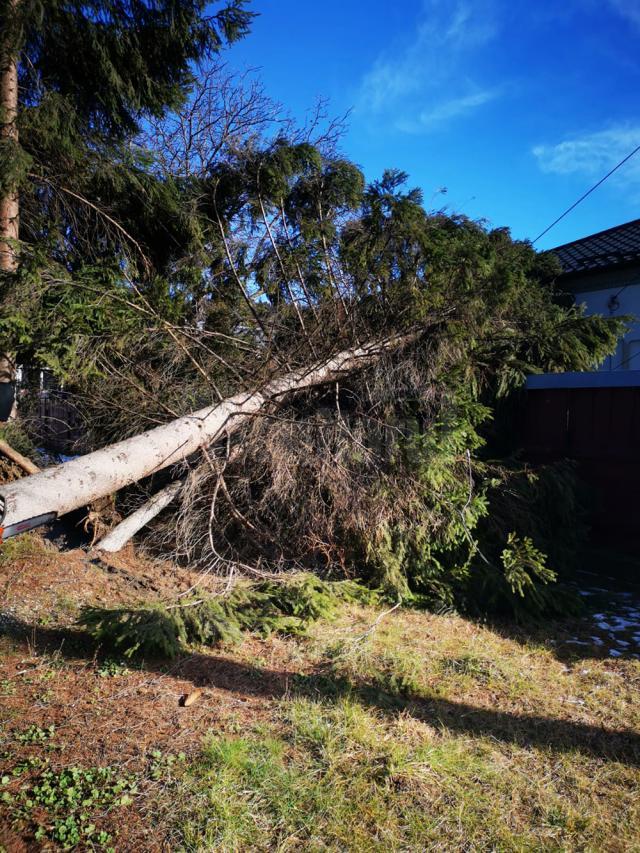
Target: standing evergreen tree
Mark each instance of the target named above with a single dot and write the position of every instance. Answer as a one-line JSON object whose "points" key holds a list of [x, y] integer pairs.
{"points": [[75, 75]]}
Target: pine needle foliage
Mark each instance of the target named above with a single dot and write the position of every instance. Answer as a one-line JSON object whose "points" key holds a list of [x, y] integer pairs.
{"points": [[158, 280], [283, 607], [115, 60]]}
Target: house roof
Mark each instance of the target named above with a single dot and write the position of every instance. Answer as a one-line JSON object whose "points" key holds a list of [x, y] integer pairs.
{"points": [[614, 247]]}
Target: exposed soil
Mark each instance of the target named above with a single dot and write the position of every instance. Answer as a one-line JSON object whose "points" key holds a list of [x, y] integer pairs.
{"points": [[53, 674]]}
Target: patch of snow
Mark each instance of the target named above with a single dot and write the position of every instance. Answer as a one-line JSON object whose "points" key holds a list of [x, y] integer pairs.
{"points": [[623, 624]]}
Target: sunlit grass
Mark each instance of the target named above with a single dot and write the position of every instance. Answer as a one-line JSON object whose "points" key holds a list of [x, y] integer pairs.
{"points": [[338, 776], [349, 761]]}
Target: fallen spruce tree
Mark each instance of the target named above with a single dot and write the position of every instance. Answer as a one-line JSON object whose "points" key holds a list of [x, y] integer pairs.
{"points": [[349, 357], [55, 491]]}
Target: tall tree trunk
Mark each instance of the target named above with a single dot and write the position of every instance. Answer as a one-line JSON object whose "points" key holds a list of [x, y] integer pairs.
{"points": [[9, 203], [56, 491]]}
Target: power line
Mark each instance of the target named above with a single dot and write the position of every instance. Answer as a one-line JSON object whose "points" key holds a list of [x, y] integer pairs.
{"points": [[626, 361], [588, 192]]}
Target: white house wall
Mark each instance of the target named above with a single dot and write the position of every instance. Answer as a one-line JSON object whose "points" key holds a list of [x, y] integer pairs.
{"points": [[615, 302]]}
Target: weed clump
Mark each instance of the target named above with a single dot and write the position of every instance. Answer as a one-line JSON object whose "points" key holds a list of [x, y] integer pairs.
{"points": [[57, 806], [24, 547]]}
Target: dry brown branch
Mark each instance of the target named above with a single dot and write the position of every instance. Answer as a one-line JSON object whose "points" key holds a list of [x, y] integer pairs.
{"points": [[377, 621], [21, 461]]}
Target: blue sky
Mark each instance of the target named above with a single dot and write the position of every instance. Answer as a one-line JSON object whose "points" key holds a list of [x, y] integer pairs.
{"points": [[516, 108]]}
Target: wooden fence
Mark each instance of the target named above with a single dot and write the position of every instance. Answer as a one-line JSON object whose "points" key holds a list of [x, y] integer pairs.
{"points": [[599, 427], [56, 422]]}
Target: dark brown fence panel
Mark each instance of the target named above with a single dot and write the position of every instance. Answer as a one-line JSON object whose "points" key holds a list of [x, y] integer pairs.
{"points": [[545, 431], [59, 423], [600, 429]]}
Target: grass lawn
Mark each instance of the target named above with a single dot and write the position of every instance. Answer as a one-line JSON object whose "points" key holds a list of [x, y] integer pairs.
{"points": [[414, 731]]}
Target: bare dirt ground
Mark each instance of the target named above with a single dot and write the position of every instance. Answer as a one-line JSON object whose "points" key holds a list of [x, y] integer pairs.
{"points": [[50, 674]]}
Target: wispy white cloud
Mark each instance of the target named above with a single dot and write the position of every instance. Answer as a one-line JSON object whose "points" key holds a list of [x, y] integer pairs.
{"points": [[424, 83], [593, 154], [442, 112]]}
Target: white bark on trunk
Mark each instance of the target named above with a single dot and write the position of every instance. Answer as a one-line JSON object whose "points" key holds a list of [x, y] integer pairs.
{"points": [[79, 482], [9, 204], [127, 529]]}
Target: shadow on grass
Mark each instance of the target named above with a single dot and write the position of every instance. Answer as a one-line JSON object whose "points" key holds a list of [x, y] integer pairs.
{"points": [[223, 673], [69, 642], [605, 631], [524, 730], [605, 626]]}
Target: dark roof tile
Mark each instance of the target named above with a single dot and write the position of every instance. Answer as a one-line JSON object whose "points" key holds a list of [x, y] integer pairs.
{"points": [[611, 248]]}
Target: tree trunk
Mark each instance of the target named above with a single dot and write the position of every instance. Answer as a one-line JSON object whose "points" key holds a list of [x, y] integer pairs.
{"points": [[127, 529], [56, 491], [9, 204]]}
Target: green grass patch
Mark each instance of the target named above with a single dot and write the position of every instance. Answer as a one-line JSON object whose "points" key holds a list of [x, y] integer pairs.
{"points": [[334, 775]]}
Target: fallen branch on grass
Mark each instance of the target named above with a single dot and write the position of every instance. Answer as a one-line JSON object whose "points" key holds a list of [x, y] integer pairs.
{"points": [[378, 620], [127, 529]]}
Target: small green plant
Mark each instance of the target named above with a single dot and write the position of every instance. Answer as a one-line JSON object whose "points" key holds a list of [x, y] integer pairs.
{"points": [[46, 696], [57, 806], [7, 687], [556, 817], [162, 766], [26, 765], [36, 735], [110, 668]]}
